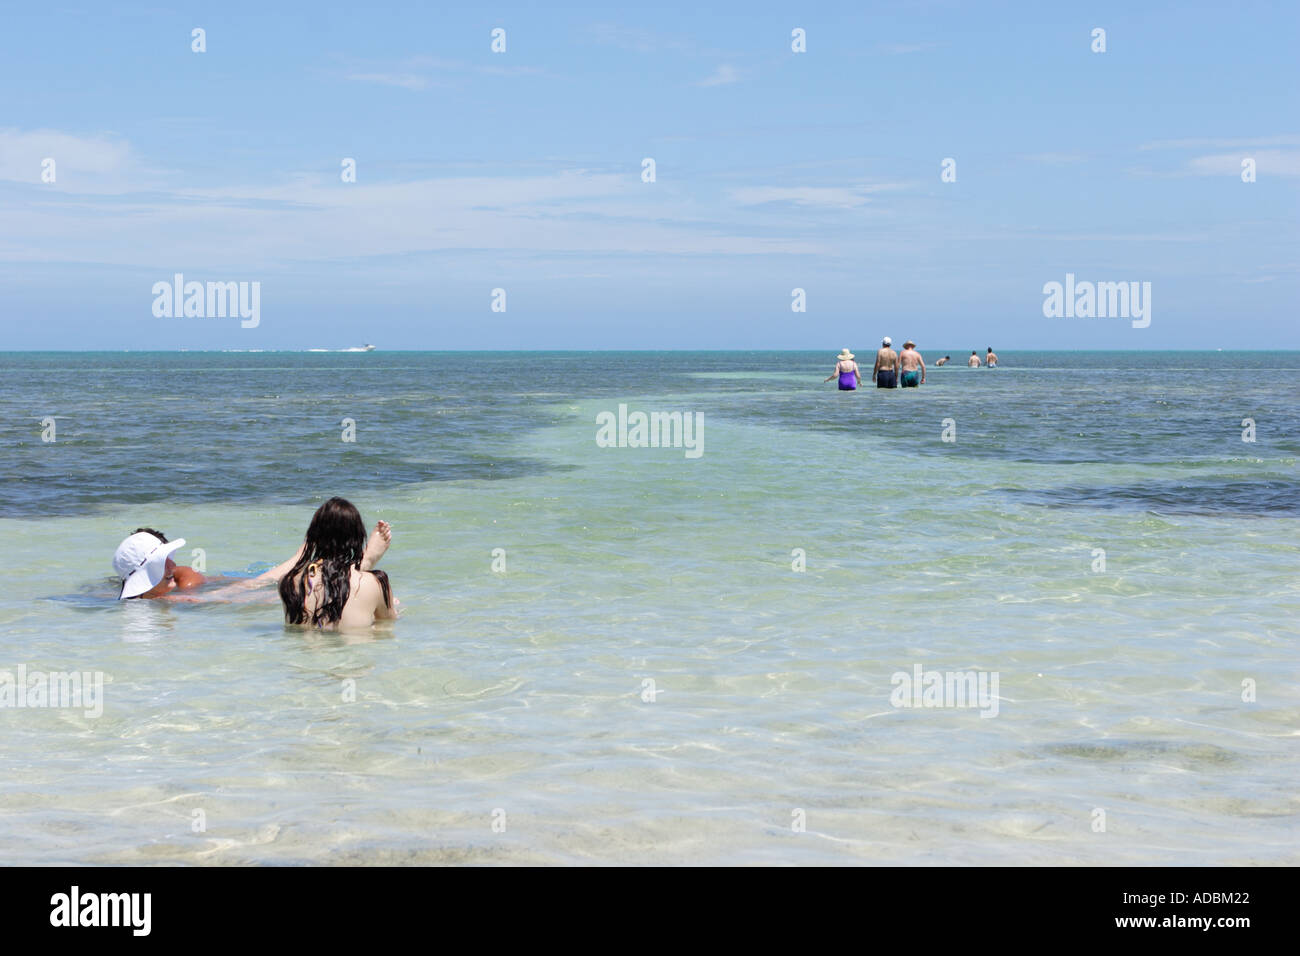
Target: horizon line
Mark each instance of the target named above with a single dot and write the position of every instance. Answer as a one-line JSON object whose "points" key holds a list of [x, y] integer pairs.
{"points": [[731, 351]]}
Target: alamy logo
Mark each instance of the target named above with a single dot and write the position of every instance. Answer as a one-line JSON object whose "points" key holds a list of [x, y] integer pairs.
{"points": [[923, 688], [213, 300], [102, 909], [21, 688], [1102, 300], [653, 430]]}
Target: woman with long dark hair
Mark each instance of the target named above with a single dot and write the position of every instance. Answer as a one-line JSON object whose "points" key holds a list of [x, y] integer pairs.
{"points": [[326, 586]]}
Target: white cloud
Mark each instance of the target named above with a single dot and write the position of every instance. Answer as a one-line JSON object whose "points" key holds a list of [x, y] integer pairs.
{"points": [[408, 81], [511, 70], [721, 76], [1056, 159], [901, 49], [1268, 162], [416, 72], [1116, 236], [1286, 139], [320, 219], [842, 197], [643, 41], [92, 162]]}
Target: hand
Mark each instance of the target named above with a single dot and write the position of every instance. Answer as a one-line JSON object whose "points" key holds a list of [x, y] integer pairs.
{"points": [[378, 544]]}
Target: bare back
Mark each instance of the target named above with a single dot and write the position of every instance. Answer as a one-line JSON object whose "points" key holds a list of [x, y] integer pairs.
{"points": [[364, 606]]}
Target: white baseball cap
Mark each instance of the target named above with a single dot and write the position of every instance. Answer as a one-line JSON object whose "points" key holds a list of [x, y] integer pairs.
{"points": [[141, 562], [886, 341]]}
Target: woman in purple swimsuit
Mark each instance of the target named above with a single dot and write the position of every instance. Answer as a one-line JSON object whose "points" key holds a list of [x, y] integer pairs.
{"points": [[847, 370]]}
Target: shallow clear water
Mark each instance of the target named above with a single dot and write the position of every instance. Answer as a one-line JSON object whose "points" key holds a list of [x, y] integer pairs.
{"points": [[524, 691]]}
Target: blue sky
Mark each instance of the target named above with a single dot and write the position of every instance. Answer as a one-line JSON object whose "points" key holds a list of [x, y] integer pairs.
{"points": [[775, 170]]}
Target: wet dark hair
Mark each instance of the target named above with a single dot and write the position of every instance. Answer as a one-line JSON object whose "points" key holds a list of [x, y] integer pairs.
{"points": [[990, 348], [157, 534], [972, 351], [336, 538]]}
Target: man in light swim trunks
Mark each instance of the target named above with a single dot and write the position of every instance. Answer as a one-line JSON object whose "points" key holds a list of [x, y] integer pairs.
{"points": [[885, 373], [943, 361], [973, 361], [991, 360], [912, 365]]}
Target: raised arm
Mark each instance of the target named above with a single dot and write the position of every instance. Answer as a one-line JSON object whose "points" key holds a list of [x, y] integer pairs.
{"points": [[377, 545]]}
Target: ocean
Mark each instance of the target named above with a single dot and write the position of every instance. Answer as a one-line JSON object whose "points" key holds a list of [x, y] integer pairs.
{"points": [[640, 655]]}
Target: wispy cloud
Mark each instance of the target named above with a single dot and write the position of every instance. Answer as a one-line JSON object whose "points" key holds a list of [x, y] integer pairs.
{"points": [[902, 49], [311, 217], [720, 77], [510, 70], [1056, 159], [1285, 139], [633, 38], [1112, 236], [1268, 162], [422, 72], [407, 81], [840, 197], [93, 164]]}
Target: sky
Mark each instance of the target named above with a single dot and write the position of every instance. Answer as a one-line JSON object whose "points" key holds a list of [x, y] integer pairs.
{"points": [[524, 170]]}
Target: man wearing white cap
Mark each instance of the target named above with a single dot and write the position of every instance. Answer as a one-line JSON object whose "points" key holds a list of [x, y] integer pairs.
{"points": [[144, 563], [885, 374]]}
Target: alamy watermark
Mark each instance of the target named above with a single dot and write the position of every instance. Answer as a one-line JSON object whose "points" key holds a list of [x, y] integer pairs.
{"points": [[651, 430], [75, 690], [1101, 300], [214, 300], [923, 688], [75, 908]]}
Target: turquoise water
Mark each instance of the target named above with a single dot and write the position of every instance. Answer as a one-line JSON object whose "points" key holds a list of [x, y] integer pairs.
{"points": [[522, 698]]}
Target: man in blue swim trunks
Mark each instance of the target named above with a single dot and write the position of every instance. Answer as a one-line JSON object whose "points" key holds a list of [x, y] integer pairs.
{"points": [[912, 366], [885, 373]]}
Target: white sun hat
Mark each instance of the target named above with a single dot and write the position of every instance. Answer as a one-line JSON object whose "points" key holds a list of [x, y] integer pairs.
{"points": [[845, 355], [141, 562]]}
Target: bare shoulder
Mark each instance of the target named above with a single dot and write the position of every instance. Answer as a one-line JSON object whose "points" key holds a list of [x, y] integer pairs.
{"points": [[369, 584]]}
